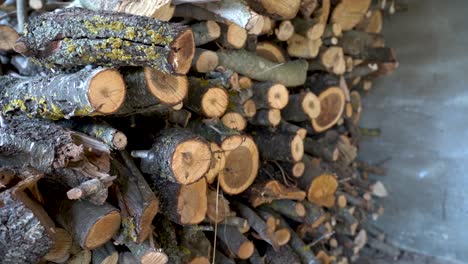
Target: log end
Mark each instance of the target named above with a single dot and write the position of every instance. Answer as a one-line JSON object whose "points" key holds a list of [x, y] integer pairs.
{"points": [[282, 236], [297, 148], [154, 257], [102, 230], [311, 105], [214, 102], [274, 117], [278, 96], [62, 245], [167, 88], [249, 108], [236, 36], [182, 52], [8, 38], [213, 29], [298, 169], [241, 167], [246, 250], [200, 260], [120, 140], [322, 190], [207, 61], [332, 103], [234, 120], [192, 203], [190, 161], [147, 216], [107, 91]]}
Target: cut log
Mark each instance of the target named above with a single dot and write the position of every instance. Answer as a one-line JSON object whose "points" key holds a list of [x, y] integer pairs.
{"points": [[233, 36], [100, 130], [165, 12], [183, 204], [282, 236], [235, 241], [241, 102], [205, 32], [82, 37], [258, 224], [107, 254], [276, 146], [295, 170], [266, 191], [310, 28], [267, 118], [218, 207], [331, 60], [289, 208], [332, 103], [177, 155], [217, 163], [87, 92], [245, 82], [234, 120], [206, 98], [284, 31], [241, 167], [137, 198], [349, 13], [284, 255], [279, 10], [197, 245], [8, 36], [81, 257], [270, 52], [150, 90], [301, 107], [237, 12], [215, 131], [142, 8], [288, 128], [270, 95], [204, 60], [26, 233], [292, 73], [302, 47], [324, 148], [356, 42], [145, 253], [60, 252], [91, 226]]}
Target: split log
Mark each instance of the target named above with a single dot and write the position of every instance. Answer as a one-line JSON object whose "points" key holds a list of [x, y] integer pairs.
{"points": [[284, 31], [75, 36], [270, 95], [279, 10], [136, 196], [150, 90], [237, 12], [107, 254], [26, 234], [100, 130], [90, 225], [87, 92], [270, 52], [349, 13], [205, 32], [63, 242], [207, 97], [233, 36], [235, 241], [183, 204], [283, 147], [301, 107], [204, 60], [142, 8], [177, 155], [8, 36], [292, 73], [284, 255], [266, 118]]}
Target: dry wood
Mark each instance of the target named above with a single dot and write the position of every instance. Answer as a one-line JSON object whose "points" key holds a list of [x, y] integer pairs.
{"points": [[288, 128], [165, 12], [303, 47], [284, 31], [233, 36], [77, 36], [234, 120], [270, 95], [330, 59], [204, 60], [284, 255], [310, 28], [145, 253], [236, 242], [87, 92], [8, 38], [60, 252], [332, 103], [372, 23], [270, 51], [107, 254], [349, 13], [217, 163], [177, 155], [301, 107], [205, 31], [267, 118], [207, 97], [218, 207], [237, 12], [142, 8], [324, 148], [276, 146], [268, 26], [100, 130], [276, 9], [292, 73], [295, 170]]}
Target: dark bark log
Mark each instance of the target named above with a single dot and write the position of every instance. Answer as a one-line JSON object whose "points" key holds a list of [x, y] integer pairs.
{"points": [[324, 148], [100, 130], [205, 31], [98, 91], [138, 199], [236, 242], [284, 255], [356, 42], [145, 253], [177, 155], [207, 97], [266, 118], [216, 131], [288, 128], [270, 95], [220, 258], [63, 242], [107, 254], [301, 107], [289, 208], [182, 204], [26, 234], [283, 147], [197, 244], [76, 36], [292, 73]]}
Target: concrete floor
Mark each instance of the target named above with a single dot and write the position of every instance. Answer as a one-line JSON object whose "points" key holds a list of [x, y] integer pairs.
{"points": [[422, 110]]}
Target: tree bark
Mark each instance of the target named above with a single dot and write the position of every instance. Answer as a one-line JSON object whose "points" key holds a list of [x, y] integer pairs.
{"points": [[301, 107], [99, 130], [107, 254], [87, 92], [235, 241], [205, 32], [266, 118], [77, 37], [177, 155], [284, 255], [207, 97], [233, 36], [270, 95], [141, 8], [283, 147]]}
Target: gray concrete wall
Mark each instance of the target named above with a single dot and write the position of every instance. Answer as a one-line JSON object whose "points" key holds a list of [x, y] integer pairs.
{"points": [[422, 110]]}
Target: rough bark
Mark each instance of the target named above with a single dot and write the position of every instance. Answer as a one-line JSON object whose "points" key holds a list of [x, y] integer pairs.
{"points": [[303, 47], [349, 13], [324, 148], [26, 234], [301, 107], [87, 92], [270, 51], [266, 118], [216, 131], [177, 155], [283, 147], [205, 32], [270, 95], [288, 128], [284, 255], [75, 36], [235, 241], [292, 73], [197, 244], [289, 208], [207, 97]]}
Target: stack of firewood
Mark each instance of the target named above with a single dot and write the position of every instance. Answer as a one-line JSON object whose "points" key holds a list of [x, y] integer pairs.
{"points": [[191, 131]]}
